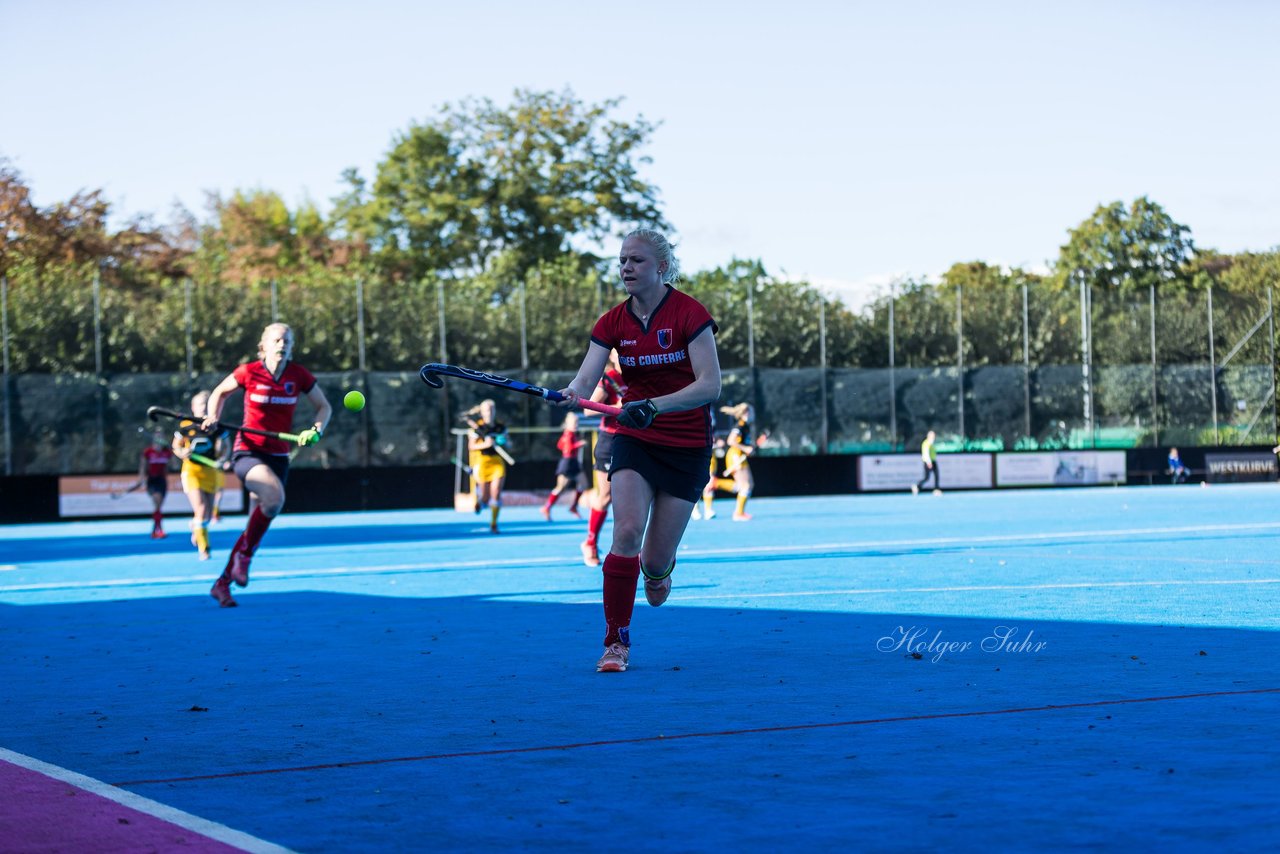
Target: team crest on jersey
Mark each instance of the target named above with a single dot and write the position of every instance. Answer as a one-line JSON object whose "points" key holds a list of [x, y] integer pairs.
{"points": [[290, 387], [664, 339]]}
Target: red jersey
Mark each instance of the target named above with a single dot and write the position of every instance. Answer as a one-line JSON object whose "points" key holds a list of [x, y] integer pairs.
{"points": [[569, 443], [614, 390], [269, 404], [655, 361], [157, 460]]}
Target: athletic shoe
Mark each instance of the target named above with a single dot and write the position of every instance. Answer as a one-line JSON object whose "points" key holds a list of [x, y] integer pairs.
{"points": [[493, 529], [222, 592], [742, 517], [238, 567], [615, 658], [217, 517], [656, 590], [157, 534], [204, 554], [590, 554], [937, 492], [915, 490], [479, 507], [710, 514], [576, 513], [546, 513], [696, 514]]}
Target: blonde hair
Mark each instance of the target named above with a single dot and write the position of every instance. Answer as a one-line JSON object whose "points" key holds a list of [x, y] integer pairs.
{"points": [[662, 248], [476, 410], [741, 411]]}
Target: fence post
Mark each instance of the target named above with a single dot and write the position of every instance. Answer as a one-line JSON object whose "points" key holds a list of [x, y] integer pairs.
{"points": [[1155, 392], [4, 338], [360, 358], [524, 332], [1213, 369], [444, 350], [97, 365], [1086, 355], [751, 328], [1271, 341], [822, 371], [187, 323], [893, 384], [1026, 362], [960, 359]]}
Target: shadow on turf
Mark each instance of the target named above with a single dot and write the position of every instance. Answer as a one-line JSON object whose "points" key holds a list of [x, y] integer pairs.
{"points": [[416, 716], [223, 537]]}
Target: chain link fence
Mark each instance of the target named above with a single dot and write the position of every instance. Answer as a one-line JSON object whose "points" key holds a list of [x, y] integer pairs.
{"points": [[1036, 367]]}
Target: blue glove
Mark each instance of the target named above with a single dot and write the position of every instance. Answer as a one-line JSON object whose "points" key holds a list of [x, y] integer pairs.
{"points": [[638, 414]]}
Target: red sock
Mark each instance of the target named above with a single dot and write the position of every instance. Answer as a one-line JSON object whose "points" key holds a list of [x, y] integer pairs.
{"points": [[620, 576], [595, 523], [577, 499], [157, 517], [258, 524], [551, 500]]}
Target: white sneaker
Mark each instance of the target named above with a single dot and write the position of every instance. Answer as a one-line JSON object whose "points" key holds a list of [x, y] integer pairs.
{"points": [[915, 490], [614, 659], [696, 514], [937, 492], [711, 514]]}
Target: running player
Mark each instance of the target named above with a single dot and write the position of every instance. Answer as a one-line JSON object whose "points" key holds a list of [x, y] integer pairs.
{"points": [[153, 473], [272, 386], [569, 469], [666, 345], [488, 435], [200, 480], [737, 462], [610, 390]]}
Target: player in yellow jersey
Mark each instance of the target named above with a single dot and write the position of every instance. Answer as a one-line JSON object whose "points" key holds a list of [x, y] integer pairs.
{"points": [[737, 477], [200, 453]]}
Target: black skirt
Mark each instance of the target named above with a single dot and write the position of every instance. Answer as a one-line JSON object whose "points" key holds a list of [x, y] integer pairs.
{"points": [[680, 472]]}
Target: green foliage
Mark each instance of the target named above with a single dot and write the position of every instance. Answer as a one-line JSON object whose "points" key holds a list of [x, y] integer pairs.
{"points": [[481, 180]]}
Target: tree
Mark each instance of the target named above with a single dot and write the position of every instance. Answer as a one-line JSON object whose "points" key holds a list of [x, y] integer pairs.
{"points": [[529, 181]]}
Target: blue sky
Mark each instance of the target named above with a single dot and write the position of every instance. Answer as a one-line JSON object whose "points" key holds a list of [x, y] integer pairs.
{"points": [[847, 143]]}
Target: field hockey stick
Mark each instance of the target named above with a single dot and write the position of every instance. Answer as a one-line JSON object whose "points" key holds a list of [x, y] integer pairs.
{"points": [[116, 496], [156, 412], [431, 376]]}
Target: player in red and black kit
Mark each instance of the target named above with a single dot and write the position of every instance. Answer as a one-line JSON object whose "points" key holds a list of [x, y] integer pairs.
{"points": [[272, 387], [153, 473], [661, 452], [569, 469], [609, 390]]}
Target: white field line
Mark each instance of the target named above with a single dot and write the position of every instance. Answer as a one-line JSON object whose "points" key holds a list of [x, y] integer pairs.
{"points": [[880, 591], [816, 550]]}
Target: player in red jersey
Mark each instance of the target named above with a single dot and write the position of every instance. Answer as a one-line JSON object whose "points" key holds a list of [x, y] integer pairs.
{"points": [[153, 473], [609, 390], [569, 469], [272, 387], [667, 349]]}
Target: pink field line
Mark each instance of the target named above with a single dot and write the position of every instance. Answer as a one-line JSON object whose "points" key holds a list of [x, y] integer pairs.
{"points": [[46, 808], [713, 734]]}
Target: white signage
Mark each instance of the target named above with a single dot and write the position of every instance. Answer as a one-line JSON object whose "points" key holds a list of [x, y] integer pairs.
{"points": [[895, 472], [104, 495], [1060, 468]]}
